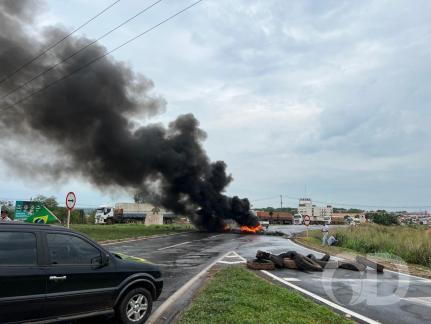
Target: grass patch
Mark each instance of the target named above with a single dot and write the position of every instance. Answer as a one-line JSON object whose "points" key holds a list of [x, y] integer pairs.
{"points": [[410, 243], [236, 295], [122, 231]]}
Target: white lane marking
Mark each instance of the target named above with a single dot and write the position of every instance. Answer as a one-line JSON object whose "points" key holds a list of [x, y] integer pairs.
{"points": [[409, 275], [171, 246], [419, 300], [231, 262], [238, 256], [235, 255], [359, 280], [174, 297], [321, 299], [214, 236], [291, 279]]}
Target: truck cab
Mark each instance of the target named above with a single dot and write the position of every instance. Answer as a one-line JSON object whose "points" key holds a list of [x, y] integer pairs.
{"points": [[104, 215], [297, 219]]}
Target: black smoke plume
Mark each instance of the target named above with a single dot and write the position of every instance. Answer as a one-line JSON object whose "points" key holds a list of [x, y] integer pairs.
{"points": [[92, 122]]}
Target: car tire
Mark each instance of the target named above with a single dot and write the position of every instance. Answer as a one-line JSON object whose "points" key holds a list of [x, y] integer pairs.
{"points": [[135, 307]]}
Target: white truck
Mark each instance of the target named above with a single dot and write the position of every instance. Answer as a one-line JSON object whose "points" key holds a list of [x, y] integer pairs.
{"points": [[132, 213], [297, 219]]}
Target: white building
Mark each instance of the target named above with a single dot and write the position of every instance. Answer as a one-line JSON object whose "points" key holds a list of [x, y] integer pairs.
{"points": [[317, 214]]}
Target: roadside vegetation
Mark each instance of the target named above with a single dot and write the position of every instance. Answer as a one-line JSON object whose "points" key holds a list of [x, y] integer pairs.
{"points": [[236, 295], [122, 231], [410, 243]]}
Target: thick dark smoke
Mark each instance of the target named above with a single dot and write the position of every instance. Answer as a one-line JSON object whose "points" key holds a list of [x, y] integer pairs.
{"points": [[90, 120]]}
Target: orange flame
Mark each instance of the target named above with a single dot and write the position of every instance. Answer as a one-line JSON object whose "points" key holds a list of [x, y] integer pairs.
{"points": [[251, 229]]}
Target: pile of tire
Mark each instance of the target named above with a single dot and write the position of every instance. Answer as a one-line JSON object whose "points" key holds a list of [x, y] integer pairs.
{"points": [[290, 260], [295, 260]]}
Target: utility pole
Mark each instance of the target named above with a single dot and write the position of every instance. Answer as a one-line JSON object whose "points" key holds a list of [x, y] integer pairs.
{"points": [[281, 201]]}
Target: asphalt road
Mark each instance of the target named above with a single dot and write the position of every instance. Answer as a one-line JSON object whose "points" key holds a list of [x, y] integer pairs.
{"points": [[385, 298]]}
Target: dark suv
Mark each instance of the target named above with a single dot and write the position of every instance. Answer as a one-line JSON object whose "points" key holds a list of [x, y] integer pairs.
{"points": [[50, 273]]}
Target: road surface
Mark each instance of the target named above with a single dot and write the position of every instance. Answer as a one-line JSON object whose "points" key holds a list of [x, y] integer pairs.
{"points": [[385, 298]]}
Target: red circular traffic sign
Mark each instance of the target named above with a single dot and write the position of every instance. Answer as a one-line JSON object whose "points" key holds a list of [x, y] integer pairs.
{"points": [[70, 200], [306, 220]]}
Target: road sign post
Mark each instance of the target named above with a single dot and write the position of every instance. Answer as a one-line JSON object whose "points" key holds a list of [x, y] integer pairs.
{"points": [[307, 222], [70, 203]]}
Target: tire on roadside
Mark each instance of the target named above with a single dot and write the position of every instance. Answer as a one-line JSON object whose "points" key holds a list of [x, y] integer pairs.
{"points": [[125, 305], [326, 257], [353, 266], [312, 257], [278, 261], [306, 264], [261, 255], [260, 264], [289, 254]]}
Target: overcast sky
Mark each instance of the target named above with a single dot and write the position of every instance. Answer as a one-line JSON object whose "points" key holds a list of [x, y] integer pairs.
{"points": [[329, 99]]}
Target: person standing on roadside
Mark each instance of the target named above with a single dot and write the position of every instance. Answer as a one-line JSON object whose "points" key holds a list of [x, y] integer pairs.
{"points": [[4, 217], [325, 231]]}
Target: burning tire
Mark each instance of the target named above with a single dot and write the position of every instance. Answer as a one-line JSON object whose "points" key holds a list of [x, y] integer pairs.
{"points": [[306, 264], [260, 264]]}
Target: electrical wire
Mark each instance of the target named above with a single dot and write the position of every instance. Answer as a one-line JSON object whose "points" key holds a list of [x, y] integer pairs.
{"points": [[101, 56], [57, 43], [80, 50]]}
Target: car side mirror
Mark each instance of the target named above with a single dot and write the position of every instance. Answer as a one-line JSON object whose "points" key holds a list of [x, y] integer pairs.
{"points": [[104, 259]]}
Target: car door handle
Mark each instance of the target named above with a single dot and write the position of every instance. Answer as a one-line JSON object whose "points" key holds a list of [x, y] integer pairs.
{"points": [[57, 278]]}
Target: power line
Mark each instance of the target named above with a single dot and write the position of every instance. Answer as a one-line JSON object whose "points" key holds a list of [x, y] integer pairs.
{"points": [[80, 50], [266, 198], [104, 55], [56, 43]]}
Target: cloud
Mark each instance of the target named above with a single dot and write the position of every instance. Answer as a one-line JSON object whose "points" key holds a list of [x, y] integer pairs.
{"points": [[334, 95]]}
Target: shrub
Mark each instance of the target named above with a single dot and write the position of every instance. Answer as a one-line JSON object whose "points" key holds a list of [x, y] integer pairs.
{"points": [[384, 219]]}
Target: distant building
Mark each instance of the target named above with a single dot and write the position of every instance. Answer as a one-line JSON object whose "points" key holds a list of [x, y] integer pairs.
{"points": [[317, 214], [415, 217], [341, 217]]}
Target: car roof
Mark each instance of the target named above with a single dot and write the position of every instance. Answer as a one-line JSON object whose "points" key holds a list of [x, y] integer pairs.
{"points": [[30, 226]]}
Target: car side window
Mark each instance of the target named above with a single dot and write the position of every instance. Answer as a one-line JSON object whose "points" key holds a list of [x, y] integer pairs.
{"points": [[69, 249], [17, 248]]}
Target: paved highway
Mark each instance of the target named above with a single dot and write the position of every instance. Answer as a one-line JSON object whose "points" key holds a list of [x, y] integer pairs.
{"points": [[385, 298]]}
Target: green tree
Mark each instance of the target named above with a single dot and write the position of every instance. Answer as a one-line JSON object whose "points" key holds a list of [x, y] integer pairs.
{"points": [[383, 218], [49, 202]]}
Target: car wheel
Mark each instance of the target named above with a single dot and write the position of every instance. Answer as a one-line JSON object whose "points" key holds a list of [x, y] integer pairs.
{"points": [[135, 307]]}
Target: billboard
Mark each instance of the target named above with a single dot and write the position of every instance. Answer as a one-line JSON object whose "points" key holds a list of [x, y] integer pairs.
{"points": [[33, 212]]}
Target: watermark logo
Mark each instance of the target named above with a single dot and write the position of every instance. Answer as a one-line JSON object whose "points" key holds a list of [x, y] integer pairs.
{"points": [[347, 287]]}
